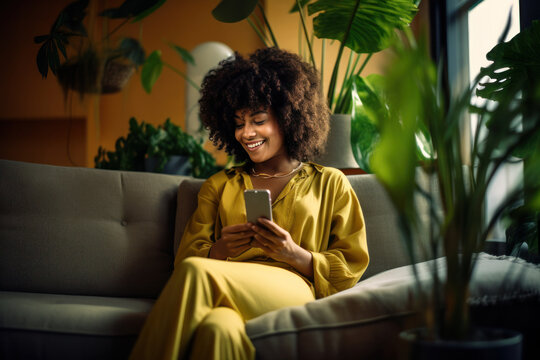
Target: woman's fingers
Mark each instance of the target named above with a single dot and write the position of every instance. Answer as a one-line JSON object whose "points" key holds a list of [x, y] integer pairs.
{"points": [[237, 232], [273, 227], [259, 242], [238, 236], [266, 234], [237, 228]]}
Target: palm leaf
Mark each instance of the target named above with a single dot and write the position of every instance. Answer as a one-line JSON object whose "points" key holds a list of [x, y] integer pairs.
{"points": [[373, 25]]}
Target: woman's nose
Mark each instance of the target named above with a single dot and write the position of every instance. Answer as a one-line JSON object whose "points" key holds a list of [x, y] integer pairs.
{"points": [[249, 131]]}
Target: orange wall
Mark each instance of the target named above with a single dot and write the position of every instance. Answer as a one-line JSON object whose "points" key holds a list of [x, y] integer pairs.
{"points": [[25, 98], [27, 101]]}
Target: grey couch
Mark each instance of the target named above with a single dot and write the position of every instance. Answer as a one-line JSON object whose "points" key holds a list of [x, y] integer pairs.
{"points": [[85, 252]]}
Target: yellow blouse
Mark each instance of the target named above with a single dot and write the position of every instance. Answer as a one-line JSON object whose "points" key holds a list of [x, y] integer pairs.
{"points": [[318, 207]]}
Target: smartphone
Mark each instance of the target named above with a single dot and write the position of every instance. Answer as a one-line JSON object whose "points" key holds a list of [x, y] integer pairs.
{"points": [[257, 204]]}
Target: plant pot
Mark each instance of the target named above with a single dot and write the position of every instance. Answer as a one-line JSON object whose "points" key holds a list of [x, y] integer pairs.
{"points": [[176, 165], [338, 151], [486, 343], [115, 76], [83, 76]]}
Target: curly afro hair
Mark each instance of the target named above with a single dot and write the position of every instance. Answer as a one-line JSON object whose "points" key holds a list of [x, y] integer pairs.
{"points": [[269, 78]]}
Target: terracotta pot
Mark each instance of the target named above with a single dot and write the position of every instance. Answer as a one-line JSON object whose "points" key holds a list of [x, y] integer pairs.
{"points": [[339, 152], [487, 343]]}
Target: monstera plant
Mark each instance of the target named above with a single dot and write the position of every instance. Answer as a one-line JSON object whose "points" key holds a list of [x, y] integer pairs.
{"points": [[360, 26], [516, 67]]}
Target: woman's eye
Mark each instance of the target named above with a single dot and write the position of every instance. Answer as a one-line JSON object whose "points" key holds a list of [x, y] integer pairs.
{"points": [[260, 122], [239, 126]]}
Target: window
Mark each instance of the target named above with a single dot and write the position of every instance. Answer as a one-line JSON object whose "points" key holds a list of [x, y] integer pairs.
{"points": [[486, 23], [472, 29]]}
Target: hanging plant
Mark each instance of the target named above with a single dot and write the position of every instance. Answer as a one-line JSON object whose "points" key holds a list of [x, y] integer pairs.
{"points": [[86, 66]]}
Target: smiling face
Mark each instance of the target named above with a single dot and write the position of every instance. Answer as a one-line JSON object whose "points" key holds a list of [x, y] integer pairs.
{"points": [[259, 134]]}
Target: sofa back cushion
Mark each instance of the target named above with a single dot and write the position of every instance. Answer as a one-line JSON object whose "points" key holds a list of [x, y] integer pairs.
{"points": [[85, 231], [188, 192], [385, 246]]}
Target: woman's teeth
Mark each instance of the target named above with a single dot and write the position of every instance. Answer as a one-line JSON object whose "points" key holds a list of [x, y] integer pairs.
{"points": [[254, 145]]}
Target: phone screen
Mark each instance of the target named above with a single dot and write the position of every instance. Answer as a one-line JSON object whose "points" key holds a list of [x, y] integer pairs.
{"points": [[257, 204]]}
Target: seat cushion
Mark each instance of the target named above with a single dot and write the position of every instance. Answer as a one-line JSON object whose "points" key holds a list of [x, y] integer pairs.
{"points": [[73, 314], [366, 319]]}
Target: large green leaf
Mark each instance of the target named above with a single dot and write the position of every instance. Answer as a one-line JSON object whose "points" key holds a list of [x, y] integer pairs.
{"points": [[516, 64], [68, 23], [42, 60], [151, 70], [71, 17], [516, 67], [364, 135], [373, 26], [367, 108], [149, 11], [132, 8], [230, 11]]}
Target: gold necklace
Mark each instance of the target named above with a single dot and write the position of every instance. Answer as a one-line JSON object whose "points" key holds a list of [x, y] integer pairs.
{"points": [[268, 176]]}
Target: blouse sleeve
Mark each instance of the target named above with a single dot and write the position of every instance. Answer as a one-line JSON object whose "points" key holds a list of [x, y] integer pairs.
{"points": [[199, 232], [342, 264]]}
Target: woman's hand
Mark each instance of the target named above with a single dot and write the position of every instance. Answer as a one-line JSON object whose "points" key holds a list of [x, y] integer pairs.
{"points": [[234, 240], [278, 244]]}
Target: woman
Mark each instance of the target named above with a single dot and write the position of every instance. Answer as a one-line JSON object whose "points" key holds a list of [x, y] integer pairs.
{"points": [[268, 112]]}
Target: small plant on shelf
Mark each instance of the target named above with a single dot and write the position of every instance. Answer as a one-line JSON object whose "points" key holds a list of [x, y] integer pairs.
{"points": [[146, 141]]}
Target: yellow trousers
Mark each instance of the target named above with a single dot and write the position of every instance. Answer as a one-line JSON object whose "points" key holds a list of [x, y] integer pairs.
{"points": [[202, 309]]}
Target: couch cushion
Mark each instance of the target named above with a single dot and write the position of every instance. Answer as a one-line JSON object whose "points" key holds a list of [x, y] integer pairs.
{"points": [[367, 318], [187, 200], [385, 246], [385, 243], [85, 231], [73, 314]]}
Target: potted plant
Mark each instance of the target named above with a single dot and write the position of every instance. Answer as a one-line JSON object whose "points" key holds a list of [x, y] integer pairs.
{"points": [[165, 148], [360, 27], [87, 66], [458, 226]]}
